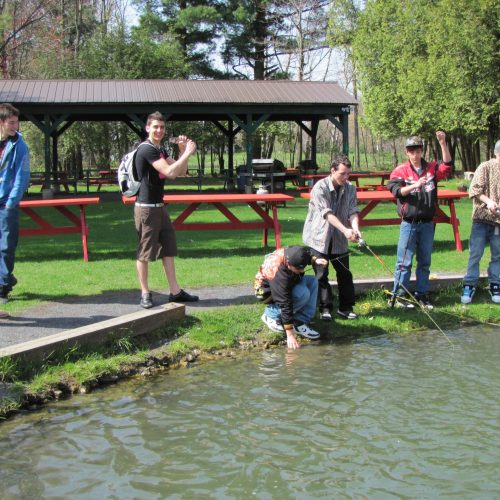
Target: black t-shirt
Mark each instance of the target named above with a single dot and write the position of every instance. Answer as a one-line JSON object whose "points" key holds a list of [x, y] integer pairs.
{"points": [[151, 190], [3, 144]]}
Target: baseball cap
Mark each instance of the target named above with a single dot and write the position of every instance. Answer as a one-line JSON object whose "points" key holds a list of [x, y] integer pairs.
{"points": [[414, 142], [497, 147], [298, 256]]}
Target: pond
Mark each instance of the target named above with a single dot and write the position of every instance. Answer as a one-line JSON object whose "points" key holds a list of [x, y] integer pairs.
{"points": [[383, 417]]}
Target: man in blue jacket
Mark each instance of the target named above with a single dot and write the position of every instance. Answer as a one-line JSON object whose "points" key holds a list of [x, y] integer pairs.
{"points": [[14, 180]]}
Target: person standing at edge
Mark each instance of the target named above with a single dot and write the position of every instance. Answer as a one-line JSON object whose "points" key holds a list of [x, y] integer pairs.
{"points": [[485, 193], [414, 184], [332, 221], [14, 180], [154, 227]]}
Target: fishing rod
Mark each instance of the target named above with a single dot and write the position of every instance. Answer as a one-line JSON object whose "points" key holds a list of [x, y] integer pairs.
{"points": [[397, 277], [362, 244]]}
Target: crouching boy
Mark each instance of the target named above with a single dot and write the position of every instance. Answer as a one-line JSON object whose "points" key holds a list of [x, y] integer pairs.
{"points": [[290, 295]]}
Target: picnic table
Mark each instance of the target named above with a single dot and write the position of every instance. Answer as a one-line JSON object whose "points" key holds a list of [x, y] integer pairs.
{"points": [[38, 179], [101, 178], [261, 204], [77, 224], [446, 197]]}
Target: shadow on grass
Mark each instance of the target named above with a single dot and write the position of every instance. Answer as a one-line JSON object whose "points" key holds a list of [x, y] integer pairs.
{"points": [[185, 252]]}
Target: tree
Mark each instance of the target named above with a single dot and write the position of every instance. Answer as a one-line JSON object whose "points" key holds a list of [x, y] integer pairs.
{"points": [[193, 24], [343, 23], [18, 21], [430, 64]]}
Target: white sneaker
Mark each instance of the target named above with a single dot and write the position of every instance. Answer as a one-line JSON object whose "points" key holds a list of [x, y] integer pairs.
{"points": [[495, 293], [467, 294], [273, 324], [306, 332]]}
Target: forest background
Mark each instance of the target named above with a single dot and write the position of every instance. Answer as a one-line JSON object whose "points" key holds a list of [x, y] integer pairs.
{"points": [[415, 66]]}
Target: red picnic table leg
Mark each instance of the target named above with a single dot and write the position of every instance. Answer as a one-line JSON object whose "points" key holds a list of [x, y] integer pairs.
{"points": [[275, 223], [85, 232], [455, 222], [277, 227], [268, 222]]}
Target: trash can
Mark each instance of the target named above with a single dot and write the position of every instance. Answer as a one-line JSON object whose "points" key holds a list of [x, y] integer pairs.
{"points": [[241, 179]]}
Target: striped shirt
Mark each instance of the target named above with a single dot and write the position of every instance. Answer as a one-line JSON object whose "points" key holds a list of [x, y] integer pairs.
{"points": [[318, 233]]}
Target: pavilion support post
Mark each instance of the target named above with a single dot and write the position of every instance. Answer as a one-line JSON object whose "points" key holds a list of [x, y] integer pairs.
{"points": [[55, 158], [48, 157], [249, 127], [230, 132], [249, 150], [314, 141], [230, 149], [312, 133], [342, 123], [345, 134]]}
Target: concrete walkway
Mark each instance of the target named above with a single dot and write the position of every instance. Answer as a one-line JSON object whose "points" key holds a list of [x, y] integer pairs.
{"points": [[50, 318]]}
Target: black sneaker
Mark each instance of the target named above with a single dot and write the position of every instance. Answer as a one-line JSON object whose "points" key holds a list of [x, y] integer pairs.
{"points": [[424, 301], [13, 282], [325, 315], [146, 300], [4, 294], [347, 314], [401, 303], [183, 296]]}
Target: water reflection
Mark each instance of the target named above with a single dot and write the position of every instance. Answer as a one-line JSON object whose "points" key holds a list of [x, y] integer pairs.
{"points": [[383, 417]]}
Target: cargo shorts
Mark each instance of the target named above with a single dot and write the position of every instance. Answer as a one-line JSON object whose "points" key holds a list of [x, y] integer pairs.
{"points": [[156, 233]]}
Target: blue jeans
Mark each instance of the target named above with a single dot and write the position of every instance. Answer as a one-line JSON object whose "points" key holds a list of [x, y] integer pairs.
{"points": [[480, 235], [414, 239], [304, 295], [9, 236]]}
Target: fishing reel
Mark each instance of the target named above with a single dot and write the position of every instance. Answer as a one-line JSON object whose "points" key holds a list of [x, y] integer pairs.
{"points": [[361, 242]]}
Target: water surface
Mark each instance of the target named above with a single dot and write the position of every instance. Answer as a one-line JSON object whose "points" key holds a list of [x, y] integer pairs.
{"points": [[383, 417]]}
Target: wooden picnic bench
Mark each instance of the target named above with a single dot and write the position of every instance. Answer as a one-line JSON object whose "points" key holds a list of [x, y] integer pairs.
{"points": [[99, 178], [77, 224], [311, 179], [38, 179], [446, 197], [261, 204]]}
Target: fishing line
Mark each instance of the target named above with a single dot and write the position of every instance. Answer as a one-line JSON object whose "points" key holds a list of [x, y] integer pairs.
{"points": [[398, 279], [362, 244]]}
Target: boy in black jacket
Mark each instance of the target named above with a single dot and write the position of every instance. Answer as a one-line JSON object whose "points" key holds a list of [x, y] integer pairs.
{"points": [[290, 294]]}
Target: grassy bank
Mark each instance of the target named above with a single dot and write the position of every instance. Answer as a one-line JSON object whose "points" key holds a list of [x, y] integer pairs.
{"points": [[52, 268], [225, 332]]}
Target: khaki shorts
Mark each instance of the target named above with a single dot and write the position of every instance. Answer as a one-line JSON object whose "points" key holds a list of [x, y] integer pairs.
{"points": [[156, 233]]}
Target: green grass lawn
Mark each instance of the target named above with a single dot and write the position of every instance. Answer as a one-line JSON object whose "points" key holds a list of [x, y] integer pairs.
{"points": [[51, 268]]}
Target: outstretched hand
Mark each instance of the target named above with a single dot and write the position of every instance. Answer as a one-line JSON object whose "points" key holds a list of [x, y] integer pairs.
{"points": [[291, 341], [441, 136]]}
